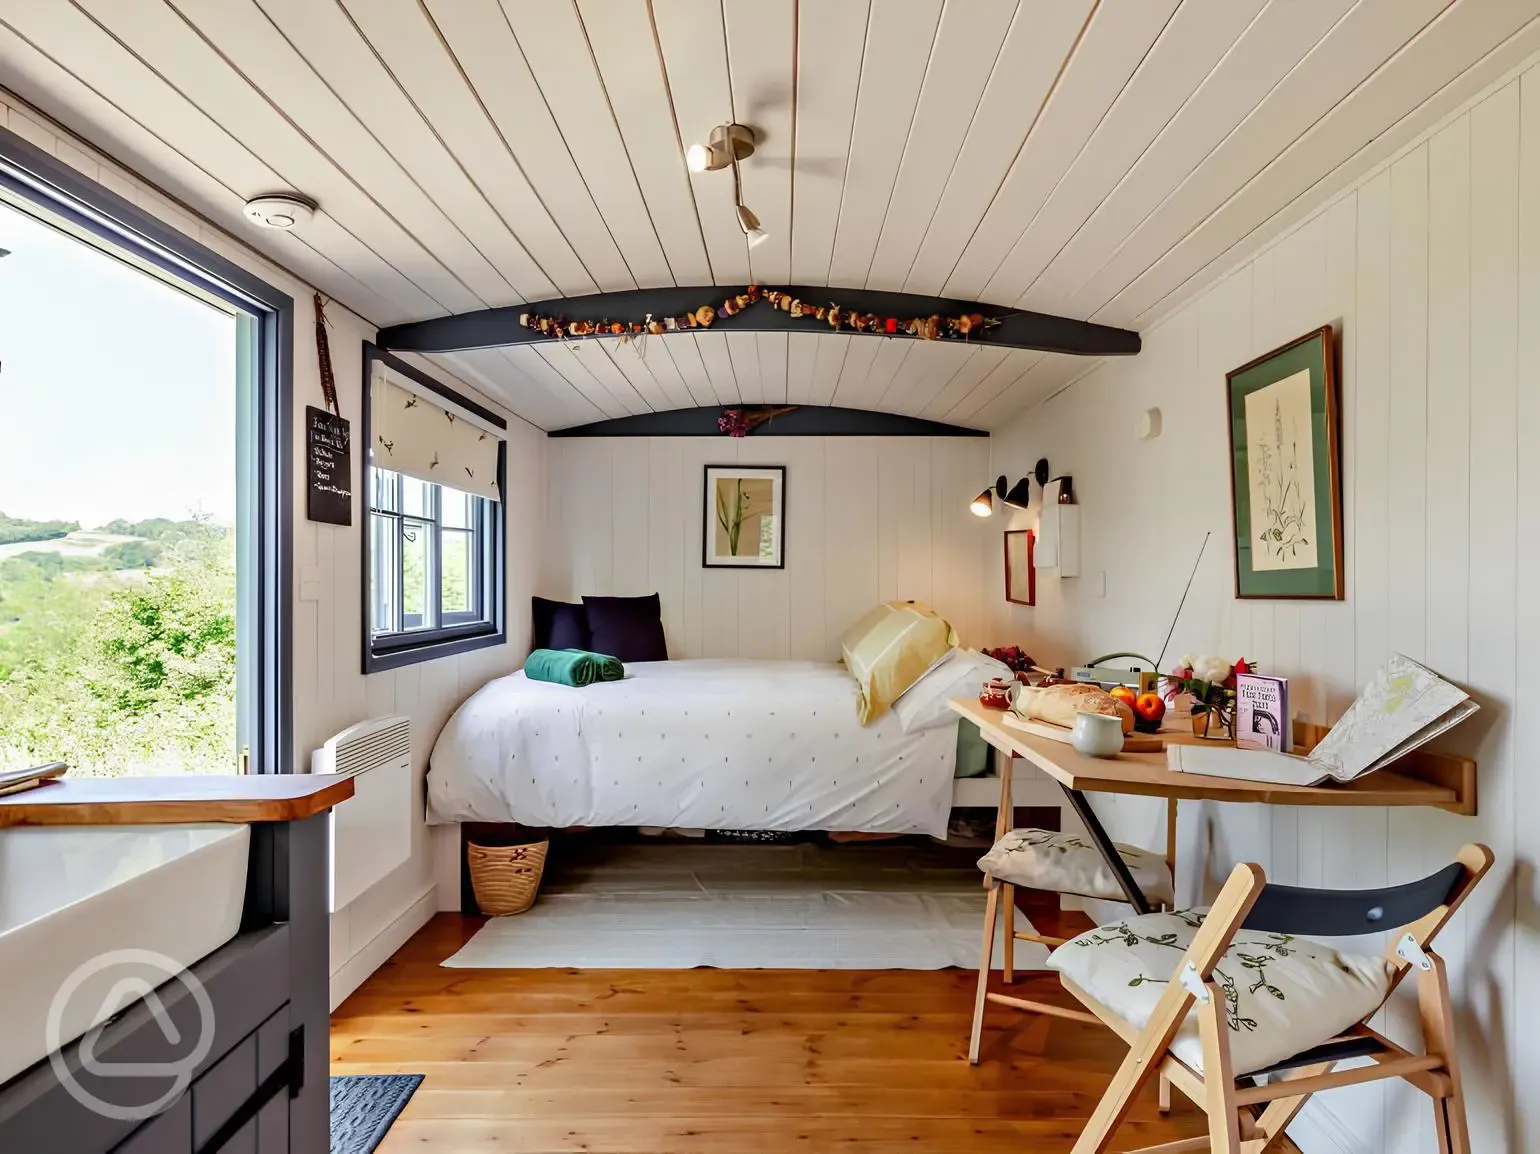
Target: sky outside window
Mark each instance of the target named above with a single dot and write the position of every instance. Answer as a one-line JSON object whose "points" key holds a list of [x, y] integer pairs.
{"points": [[115, 389]]}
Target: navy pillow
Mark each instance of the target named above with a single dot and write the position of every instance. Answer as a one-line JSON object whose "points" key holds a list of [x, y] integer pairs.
{"points": [[559, 625], [630, 628]]}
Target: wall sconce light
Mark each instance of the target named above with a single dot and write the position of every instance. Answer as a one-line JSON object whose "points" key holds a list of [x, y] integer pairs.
{"points": [[1018, 496]]}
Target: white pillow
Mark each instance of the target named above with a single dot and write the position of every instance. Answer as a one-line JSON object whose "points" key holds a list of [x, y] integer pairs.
{"points": [[1282, 994], [960, 673]]}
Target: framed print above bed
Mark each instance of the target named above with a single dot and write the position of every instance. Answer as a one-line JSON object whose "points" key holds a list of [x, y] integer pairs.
{"points": [[1285, 481], [744, 517]]}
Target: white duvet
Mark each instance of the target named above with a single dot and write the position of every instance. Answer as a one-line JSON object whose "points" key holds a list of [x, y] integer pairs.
{"points": [[717, 743]]}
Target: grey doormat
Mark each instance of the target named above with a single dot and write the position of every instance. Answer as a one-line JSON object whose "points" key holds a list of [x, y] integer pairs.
{"points": [[364, 1106]]}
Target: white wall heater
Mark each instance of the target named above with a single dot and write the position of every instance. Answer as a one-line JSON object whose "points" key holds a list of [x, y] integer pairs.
{"points": [[372, 830]]}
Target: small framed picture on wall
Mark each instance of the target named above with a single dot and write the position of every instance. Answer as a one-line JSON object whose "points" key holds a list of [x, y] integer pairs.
{"points": [[1020, 575], [744, 517]]}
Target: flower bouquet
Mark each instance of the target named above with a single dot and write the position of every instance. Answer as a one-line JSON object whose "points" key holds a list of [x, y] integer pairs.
{"points": [[1210, 681]]}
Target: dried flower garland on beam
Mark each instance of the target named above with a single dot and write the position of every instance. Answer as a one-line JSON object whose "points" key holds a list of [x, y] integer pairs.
{"points": [[931, 328]]}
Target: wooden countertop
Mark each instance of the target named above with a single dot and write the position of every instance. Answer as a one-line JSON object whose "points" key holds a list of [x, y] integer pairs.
{"points": [[1442, 781], [176, 800]]}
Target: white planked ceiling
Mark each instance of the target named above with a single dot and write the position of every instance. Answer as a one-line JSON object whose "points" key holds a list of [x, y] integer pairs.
{"points": [[1101, 159]]}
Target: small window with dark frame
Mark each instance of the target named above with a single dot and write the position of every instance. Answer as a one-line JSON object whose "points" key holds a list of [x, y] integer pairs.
{"points": [[429, 556], [432, 566]]}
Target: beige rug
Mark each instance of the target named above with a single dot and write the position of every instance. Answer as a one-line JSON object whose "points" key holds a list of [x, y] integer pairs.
{"points": [[678, 906]]}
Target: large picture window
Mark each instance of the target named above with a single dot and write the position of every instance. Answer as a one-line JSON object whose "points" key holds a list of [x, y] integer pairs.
{"points": [[145, 460], [432, 550]]}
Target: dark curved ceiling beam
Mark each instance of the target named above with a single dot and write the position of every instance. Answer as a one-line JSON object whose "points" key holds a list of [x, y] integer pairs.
{"points": [[800, 421], [1018, 328]]}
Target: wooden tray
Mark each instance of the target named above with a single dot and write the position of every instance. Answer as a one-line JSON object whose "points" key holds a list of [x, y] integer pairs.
{"points": [[1135, 742]]}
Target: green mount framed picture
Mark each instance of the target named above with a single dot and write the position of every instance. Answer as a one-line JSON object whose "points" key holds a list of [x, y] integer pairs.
{"points": [[1285, 475]]}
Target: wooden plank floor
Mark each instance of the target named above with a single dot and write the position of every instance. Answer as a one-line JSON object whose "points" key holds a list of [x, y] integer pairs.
{"points": [[718, 1061]]}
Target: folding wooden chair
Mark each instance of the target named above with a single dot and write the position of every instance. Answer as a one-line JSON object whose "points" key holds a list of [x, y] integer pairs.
{"points": [[1420, 909], [1001, 908]]}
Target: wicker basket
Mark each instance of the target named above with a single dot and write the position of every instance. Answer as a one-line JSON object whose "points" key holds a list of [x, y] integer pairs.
{"points": [[506, 878]]}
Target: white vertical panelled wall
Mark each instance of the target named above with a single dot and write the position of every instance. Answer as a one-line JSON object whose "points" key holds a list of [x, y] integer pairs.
{"points": [[330, 691], [1430, 269], [868, 519]]}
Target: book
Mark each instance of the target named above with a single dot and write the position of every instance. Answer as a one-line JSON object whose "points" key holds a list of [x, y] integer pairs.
{"points": [[1262, 712], [1404, 706], [21, 780]]}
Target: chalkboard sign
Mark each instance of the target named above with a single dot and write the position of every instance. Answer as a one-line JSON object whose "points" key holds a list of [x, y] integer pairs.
{"points": [[328, 468]]}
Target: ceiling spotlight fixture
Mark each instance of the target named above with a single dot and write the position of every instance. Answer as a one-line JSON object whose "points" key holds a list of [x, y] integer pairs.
{"points": [[749, 223], [280, 210], [727, 145]]}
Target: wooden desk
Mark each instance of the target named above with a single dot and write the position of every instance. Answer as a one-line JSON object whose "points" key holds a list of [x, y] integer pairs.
{"points": [[1424, 778]]}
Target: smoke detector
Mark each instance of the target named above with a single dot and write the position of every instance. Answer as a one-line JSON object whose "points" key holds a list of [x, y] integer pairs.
{"points": [[281, 210]]}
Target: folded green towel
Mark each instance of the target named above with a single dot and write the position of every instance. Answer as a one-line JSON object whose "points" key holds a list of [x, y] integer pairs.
{"points": [[572, 667]]}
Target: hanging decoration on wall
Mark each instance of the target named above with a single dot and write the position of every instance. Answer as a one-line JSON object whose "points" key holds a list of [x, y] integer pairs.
{"points": [[328, 444], [324, 355], [964, 326], [739, 422]]}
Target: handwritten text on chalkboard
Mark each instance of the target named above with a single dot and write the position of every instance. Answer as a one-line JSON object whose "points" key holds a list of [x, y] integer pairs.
{"points": [[328, 468]]}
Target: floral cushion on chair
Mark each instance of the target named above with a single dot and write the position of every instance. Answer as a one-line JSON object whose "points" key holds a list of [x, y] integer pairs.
{"points": [[1283, 994], [1066, 863]]}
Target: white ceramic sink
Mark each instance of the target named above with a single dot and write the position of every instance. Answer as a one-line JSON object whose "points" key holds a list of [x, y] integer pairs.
{"points": [[71, 894]]}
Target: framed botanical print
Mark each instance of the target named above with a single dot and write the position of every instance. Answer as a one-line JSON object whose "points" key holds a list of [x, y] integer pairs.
{"points": [[1020, 576], [1285, 476], [744, 517]]}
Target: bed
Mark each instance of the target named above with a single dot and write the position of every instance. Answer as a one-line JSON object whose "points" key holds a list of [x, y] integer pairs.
{"points": [[713, 743]]}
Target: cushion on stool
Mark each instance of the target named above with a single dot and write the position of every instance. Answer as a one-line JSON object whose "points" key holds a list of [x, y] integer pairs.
{"points": [[1066, 863], [1283, 994]]}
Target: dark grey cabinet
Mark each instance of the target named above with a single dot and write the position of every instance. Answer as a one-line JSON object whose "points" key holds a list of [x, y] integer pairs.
{"points": [[262, 1088], [171, 1130], [225, 1109]]}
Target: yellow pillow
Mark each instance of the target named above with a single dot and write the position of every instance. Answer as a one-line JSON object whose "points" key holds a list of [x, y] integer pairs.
{"points": [[890, 649]]}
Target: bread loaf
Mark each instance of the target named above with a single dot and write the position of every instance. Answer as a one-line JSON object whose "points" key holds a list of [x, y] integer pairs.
{"points": [[1058, 704]]}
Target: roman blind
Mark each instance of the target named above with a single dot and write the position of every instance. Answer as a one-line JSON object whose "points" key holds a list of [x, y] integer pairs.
{"points": [[430, 438]]}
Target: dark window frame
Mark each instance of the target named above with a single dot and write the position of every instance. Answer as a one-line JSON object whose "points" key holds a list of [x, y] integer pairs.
{"points": [[55, 187], [394, 650]]}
